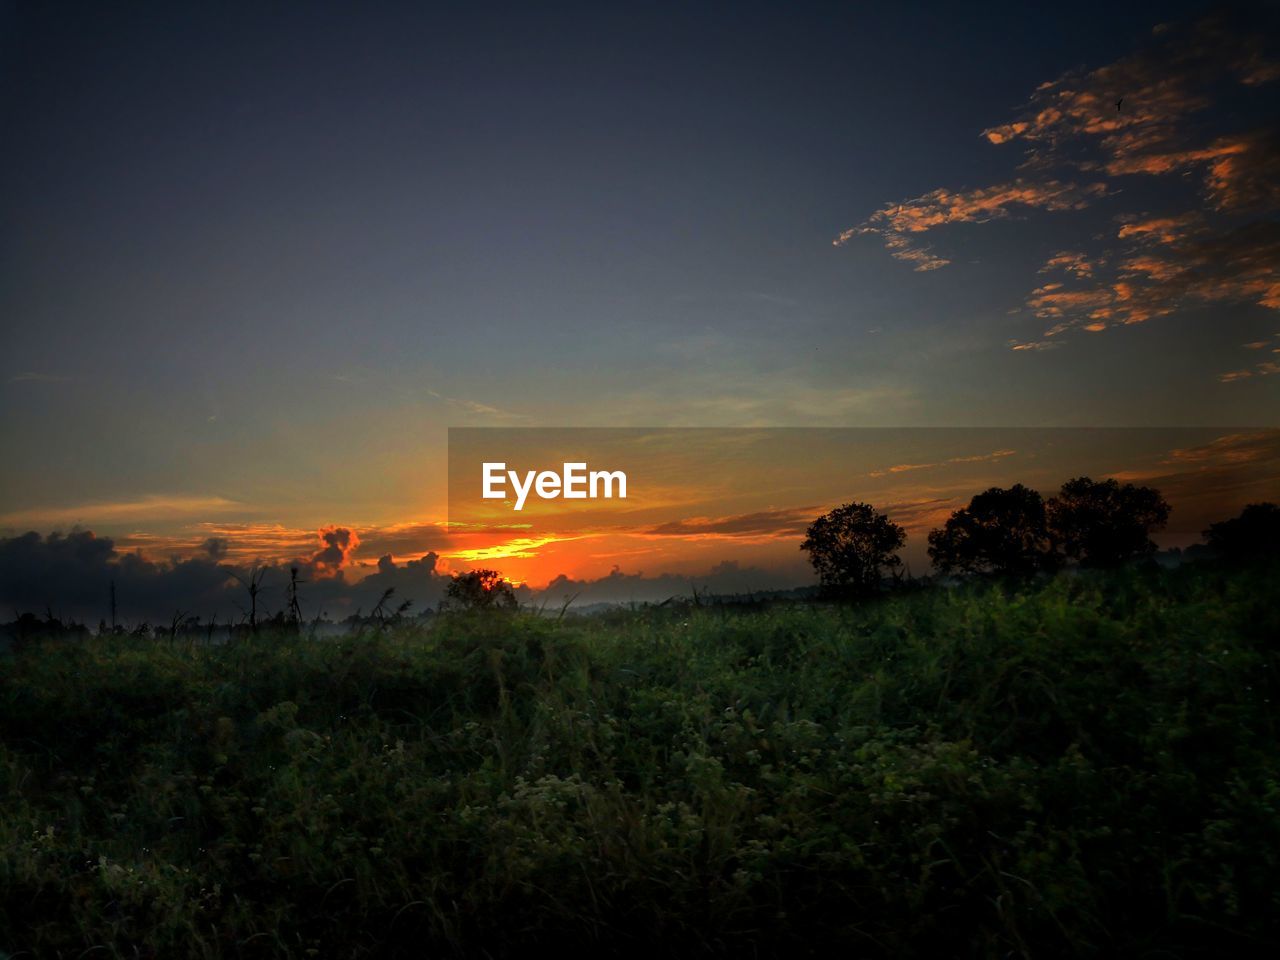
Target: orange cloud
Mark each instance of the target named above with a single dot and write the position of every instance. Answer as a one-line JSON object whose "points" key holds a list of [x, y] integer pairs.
{"points": [[1033, 345], [519, 548], [1136, 116], [1163, 230], [1052, 300], [909, 467], [1233, 448], [1069, 261], [151, 508], [1133, 156], [338, 545], [1133, 116], [1247, 177], [922, 514], [1173, 265], [1209, 481], [897, 224], [260, 541], [763, 524]]}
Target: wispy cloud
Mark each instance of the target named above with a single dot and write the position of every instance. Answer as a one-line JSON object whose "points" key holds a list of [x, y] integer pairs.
{"points": [[32, 376], [1164, 265], [1265, 369], [730, 397], [923, 513], [1233, 448], [480, 409], [1210, 481], [155, 507], [1134, 116], [1069, 261], [1089, 132], [992, 457], [765, 524], [1034, 344], [898, 224], [520, 548], [1261, 368]]}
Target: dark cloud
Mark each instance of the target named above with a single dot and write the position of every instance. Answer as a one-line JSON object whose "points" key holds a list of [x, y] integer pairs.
{"points": [[339, 544], [414, 580], [72, 576]]}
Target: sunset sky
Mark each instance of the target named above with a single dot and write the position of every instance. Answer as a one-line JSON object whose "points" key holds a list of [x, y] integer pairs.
{"points": [[255, 260]]}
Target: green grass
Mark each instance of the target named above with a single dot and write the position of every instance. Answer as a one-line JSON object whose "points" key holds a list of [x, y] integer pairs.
{"points": [[1085, 766]]}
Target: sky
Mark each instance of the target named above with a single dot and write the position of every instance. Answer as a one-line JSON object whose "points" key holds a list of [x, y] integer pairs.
{"points": [[256, 259]]}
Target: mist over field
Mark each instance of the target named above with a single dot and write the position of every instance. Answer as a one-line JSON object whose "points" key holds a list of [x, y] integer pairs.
{"points": [[72, 576]]}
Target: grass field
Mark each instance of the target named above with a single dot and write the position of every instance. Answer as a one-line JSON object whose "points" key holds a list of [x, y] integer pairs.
{"points": [[1087, 765]]}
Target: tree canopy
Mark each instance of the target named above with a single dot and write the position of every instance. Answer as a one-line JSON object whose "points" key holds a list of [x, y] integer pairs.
{"points": [[480, 590], [1100, 523], [1252, 535], [852, 548], [1002, 530]]}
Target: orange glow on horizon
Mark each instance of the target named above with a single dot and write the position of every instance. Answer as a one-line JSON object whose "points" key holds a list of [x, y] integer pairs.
{"points": [[755, 516]]}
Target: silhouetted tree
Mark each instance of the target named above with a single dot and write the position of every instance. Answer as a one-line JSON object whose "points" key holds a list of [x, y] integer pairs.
{"points": [[1103, 524], [851, 548], [1001, 531], [480, 590], [1253, 535], [254, 587]]}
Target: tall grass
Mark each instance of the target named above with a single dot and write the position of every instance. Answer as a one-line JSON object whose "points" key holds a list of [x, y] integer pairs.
{"points": [[1087, 765]]}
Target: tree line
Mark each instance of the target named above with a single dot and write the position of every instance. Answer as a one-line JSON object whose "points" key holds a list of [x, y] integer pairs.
{"points": [[1014, 531]]}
